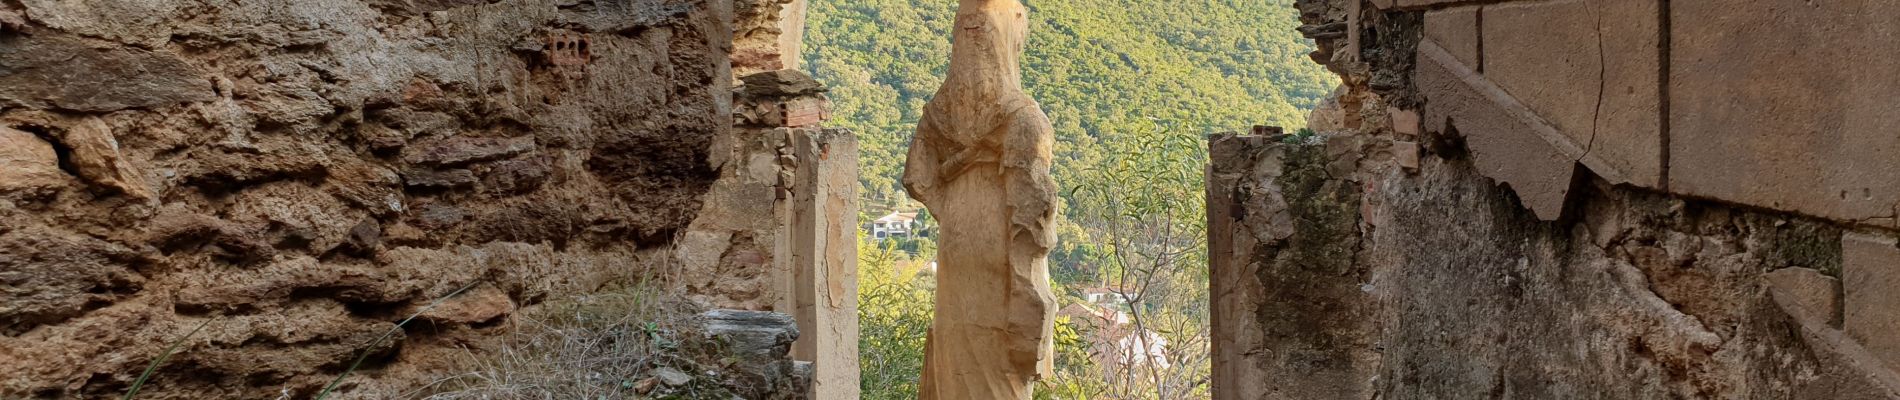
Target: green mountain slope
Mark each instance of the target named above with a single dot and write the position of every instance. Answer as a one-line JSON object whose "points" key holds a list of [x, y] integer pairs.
{"points": [[1099, 67]]}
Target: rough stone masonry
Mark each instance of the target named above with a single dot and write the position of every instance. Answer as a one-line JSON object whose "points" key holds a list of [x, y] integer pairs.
{"points": [[301, 174], [1570, 199]]}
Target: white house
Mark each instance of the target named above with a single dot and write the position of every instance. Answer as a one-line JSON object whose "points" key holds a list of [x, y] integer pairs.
{"points": [[1144, 347], [896, 224], [1105, 297]]}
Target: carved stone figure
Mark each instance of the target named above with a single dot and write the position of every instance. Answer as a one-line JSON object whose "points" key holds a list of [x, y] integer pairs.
{"points": [[980, 163]]}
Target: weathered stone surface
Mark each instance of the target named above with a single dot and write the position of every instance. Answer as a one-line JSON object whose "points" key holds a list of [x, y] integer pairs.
{"points": [[1847, 370], [296, 215], [97, 157], [463, 150], [369, 186], [1633, 293], [49, 276], [1761, 115], [760, 341], [1405, 154], [132, 21], [271, 136], [1456, 29], [1236, 332], [483, 303], [518, 176], [784, 82], [420, 7], [758, 334], [1501, 134], [1806, 293], [672, 377], [428, 178], [1288, 290], [1589, 68], [791, 37], [1870, 274], [1405, 122], [27, 163], [51, 70], [824, 258]]}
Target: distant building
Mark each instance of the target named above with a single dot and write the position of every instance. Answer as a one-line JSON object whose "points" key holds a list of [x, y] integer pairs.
{"points": [[1105, 297], [1115, 342], [894, 225]]}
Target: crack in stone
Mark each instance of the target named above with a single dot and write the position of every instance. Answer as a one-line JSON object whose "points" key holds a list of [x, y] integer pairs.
{"points": [[1603, 71]]}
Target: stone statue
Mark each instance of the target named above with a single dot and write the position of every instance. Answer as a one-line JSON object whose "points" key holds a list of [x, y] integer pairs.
{"points": [[980, 163]]}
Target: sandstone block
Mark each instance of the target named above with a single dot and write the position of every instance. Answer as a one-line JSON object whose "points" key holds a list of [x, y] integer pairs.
{"points": [[296, 216], [1507, 141], [42, 69], [27, 163], [483, 303], [369, 186], [141, 21], [1763, 115], [1404, 122], [465, 150], [1870, 272], [1405, 154], [784, 82], [96, 154], [1806, 293], [1589, 68], [518, 176], [1456, 30], [426, 178], [49, 276]]}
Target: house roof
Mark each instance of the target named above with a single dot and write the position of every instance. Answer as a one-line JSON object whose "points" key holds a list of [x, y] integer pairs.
{"points": [[898, 217]]}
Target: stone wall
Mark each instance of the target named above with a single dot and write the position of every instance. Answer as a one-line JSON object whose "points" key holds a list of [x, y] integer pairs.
{"points": [[1570, 199], [778, 231], [298, 175]]}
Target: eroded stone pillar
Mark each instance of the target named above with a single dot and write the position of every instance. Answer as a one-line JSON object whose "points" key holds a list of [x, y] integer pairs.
{"points": [[980, 163], [824, 258], [1292, 316]]}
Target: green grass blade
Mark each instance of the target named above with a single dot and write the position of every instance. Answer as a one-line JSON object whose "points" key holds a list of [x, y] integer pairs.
{"points": [[392, 332], [169, 350]]}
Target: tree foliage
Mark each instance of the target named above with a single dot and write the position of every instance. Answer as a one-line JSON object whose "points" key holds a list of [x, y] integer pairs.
{"points": [[1097, 66]]}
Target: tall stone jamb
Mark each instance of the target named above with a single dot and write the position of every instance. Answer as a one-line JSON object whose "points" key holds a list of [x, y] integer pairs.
{"points": [[1234, 288], [825, 258], [980, 162]]}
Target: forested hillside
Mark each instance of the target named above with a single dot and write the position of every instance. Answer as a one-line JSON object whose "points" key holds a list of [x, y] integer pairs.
{"points": [[1100, 68]]}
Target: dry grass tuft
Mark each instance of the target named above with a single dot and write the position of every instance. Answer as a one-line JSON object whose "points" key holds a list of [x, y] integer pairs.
{"points": [[601, 346]]}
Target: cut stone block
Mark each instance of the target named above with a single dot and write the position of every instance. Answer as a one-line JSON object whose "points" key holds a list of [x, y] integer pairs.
{"points": [[1457, 31], [1589, 68], [1871, 310], [1790, 108], [1404, 122], [1507, 141], [1806, 293], [1405, 154]]}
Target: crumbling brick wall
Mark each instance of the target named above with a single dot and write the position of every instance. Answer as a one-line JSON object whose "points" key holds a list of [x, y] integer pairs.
{"points": [[1573, 199], [299, 175]]}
